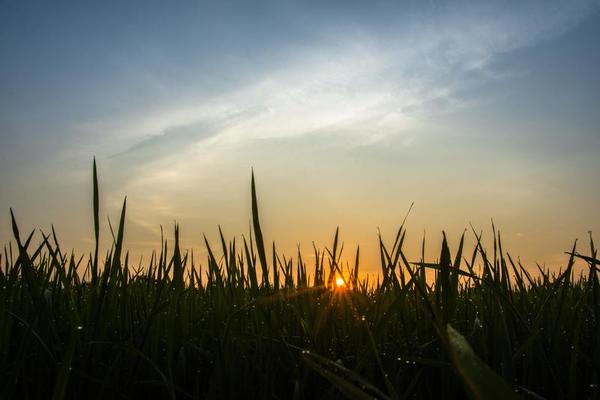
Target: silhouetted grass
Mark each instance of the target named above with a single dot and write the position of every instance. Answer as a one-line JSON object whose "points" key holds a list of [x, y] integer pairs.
{"points": [[242, 325]]}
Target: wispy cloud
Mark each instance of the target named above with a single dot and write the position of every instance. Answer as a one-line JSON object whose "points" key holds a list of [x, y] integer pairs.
{"points": [[178, 138], [365, 81]]}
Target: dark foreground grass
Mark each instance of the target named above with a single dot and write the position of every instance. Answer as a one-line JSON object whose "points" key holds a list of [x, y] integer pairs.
{"points": [[250, 323]]}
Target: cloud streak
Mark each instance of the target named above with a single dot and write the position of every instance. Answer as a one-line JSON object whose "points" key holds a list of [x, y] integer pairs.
{"points": [[366, 82]]}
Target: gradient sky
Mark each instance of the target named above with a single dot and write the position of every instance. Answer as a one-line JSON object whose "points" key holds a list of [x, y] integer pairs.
{"points": [[348, 112]]}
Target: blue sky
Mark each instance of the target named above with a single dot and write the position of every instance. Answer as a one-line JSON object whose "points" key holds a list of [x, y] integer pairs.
{"points": [[348, 111]]}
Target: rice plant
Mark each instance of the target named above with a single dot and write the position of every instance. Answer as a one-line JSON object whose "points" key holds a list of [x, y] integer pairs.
{"points": [[249, 322]]}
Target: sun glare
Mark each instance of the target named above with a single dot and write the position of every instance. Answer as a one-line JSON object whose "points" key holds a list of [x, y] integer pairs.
{"points": [[340, 282]]}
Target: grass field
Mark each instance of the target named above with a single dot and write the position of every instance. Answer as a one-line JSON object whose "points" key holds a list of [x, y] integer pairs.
{"points": [[251, 323]]}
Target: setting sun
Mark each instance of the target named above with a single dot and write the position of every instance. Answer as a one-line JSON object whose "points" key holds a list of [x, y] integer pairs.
{"points": [[340, 282]]}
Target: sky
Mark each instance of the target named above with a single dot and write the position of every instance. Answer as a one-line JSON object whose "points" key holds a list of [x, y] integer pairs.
{"points": [[348, 112]]}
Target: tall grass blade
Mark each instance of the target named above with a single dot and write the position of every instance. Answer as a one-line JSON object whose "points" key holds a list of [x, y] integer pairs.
{"points": [[480, 381], [260, 245], [96, 205]]}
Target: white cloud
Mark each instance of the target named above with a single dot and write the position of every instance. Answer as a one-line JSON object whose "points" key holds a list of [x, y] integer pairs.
{"points": [[367, 82], [346, 72]]}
